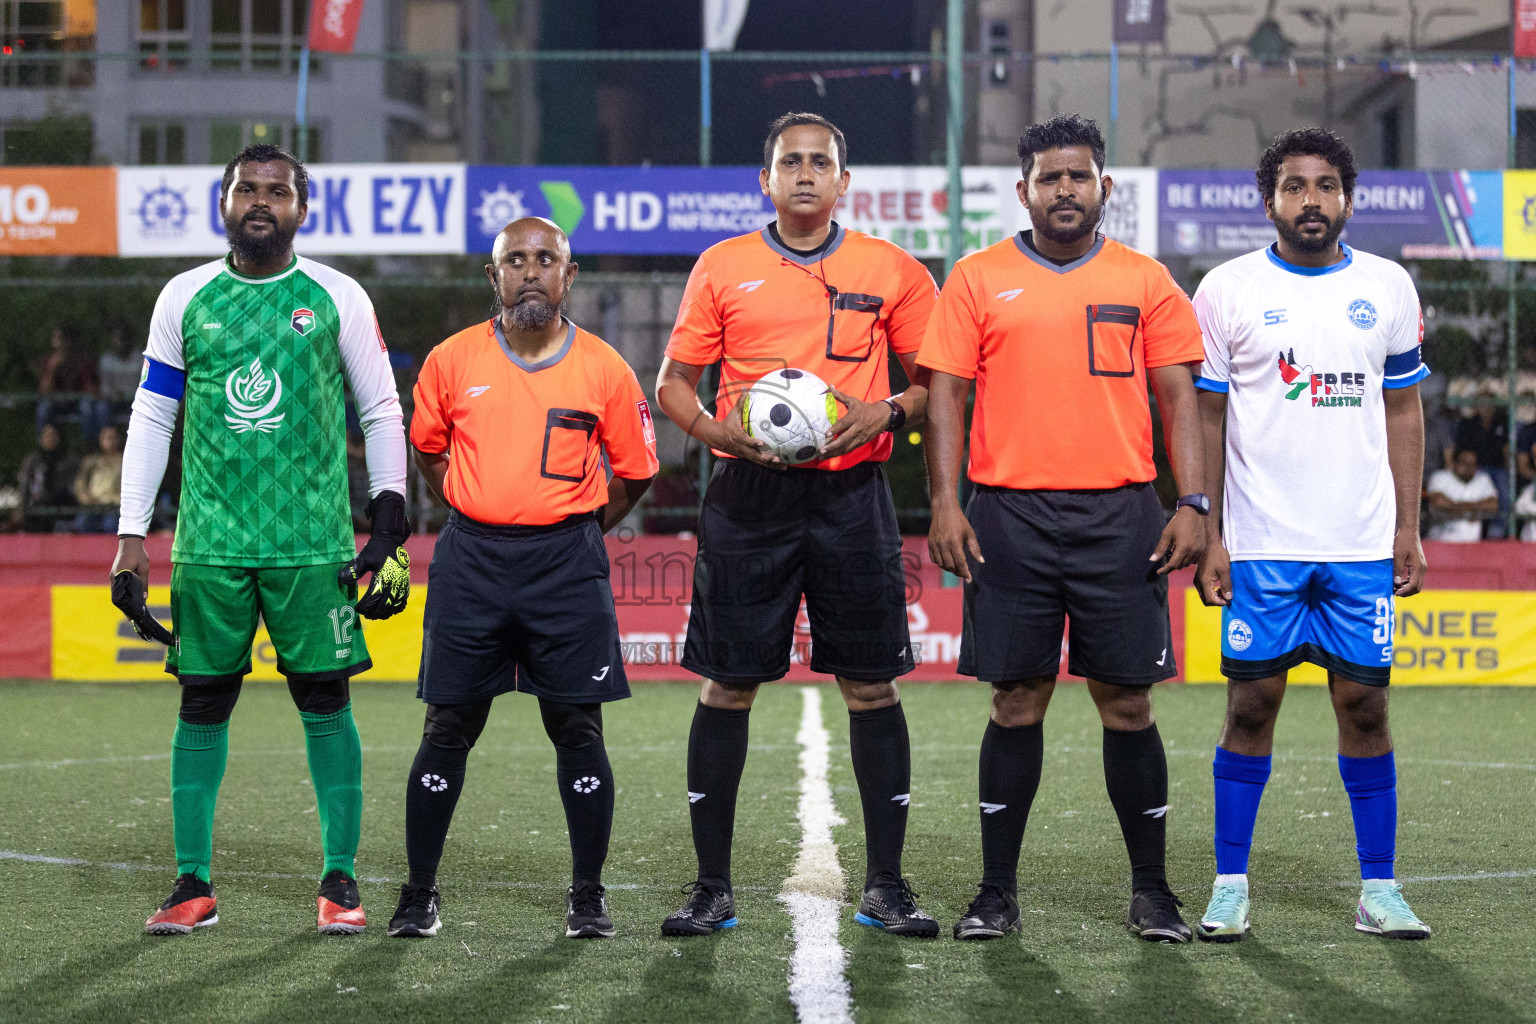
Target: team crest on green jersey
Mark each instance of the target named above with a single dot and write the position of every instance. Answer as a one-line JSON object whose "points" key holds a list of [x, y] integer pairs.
{"points": [[254, 394], [303, 320]]}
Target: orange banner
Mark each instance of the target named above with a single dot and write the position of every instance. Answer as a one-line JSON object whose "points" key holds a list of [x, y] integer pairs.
{"points": [[58, 211]]}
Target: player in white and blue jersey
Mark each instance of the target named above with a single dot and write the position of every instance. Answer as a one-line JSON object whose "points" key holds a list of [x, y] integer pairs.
{"points": [[1312, 363]]}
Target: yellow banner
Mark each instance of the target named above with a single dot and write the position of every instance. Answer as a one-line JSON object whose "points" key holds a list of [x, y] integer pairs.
{"points": [[1520, 215], [92, 640], [1441, 638]]}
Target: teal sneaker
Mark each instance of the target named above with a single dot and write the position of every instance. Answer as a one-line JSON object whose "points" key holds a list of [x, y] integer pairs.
{"points": [[1383, 911], [1226, 916]]}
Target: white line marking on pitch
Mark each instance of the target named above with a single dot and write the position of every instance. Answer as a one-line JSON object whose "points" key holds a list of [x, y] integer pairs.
{"points": [[818, 988]]}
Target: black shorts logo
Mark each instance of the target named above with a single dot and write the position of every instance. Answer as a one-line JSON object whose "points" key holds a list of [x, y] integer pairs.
{"points": [[1112, 340], [564, 451]]}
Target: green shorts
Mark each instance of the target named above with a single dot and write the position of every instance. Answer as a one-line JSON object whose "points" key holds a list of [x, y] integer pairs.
{"points": [[311, 617]]}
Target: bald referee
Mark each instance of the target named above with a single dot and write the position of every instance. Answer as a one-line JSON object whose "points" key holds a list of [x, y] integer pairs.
{"points": [[1062, 330], [513, 418]]}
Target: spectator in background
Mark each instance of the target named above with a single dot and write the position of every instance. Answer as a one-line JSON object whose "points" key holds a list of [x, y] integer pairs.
{"points": [[1486, 433], [67, 371], [1460, 499], [1439, 429], [1525, 509], [357, 481], [98, 484], [46, 481], [117, 373]]}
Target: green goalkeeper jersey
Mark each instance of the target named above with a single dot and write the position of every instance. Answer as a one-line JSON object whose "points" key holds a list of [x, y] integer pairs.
{"points": [[263, 362]]}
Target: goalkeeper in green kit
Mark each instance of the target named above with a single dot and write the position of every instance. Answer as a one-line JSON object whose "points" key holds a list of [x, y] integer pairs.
{"points": [[257, 347]]}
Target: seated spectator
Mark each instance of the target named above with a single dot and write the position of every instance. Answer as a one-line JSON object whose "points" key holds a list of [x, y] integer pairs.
{"points": [[118, 370], [1460, 499], [1525, 508], [1486, 432], [98, 485], [1439, 438], [46, 482], [66, 371]]}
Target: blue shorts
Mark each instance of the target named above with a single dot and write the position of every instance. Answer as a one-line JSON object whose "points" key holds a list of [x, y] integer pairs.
{"points": [[1334, 614]]}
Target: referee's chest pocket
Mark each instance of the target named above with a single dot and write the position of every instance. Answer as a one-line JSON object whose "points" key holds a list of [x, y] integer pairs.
{"points": [[567, 442], [1112, 331]]}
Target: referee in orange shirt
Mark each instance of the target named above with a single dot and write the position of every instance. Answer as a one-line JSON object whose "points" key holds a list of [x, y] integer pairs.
{"points": [[804, 293], [1062, 330], [512, 420]]}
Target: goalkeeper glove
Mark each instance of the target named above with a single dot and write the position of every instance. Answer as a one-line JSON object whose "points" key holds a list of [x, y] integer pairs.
{"points": [[130, 595], [383, 556]]}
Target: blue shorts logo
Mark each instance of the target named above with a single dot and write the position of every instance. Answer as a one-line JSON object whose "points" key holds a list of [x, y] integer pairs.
{"points": [[1362, 314], [1239, 635]]}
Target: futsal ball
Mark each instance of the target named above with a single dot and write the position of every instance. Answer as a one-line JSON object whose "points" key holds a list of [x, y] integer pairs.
{"points": [[792, 411]]}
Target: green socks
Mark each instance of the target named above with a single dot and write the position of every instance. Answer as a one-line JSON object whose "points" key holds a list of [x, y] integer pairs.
{"points": [[336, 768], [198, 754]]}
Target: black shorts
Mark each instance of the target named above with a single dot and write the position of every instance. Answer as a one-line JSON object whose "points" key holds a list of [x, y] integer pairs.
{"points": [[768, 536], [520, 608], [1081, 556]]}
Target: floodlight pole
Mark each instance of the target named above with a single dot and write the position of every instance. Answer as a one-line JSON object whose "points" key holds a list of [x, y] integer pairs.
{"points": [[301, 112], [1511, 352], [954, 45]]}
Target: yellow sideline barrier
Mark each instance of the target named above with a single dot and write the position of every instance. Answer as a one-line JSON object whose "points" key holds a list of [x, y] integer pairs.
{"points": [[1441, 638], [92, 640]]}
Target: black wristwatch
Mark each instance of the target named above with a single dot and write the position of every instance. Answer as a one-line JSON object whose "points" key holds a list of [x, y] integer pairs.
{"points": [[1199, 502], [898, 416]]}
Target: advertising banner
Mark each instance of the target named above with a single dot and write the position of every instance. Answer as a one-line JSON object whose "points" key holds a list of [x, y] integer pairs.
{"points": [[1520, 215], [357, 209], [636, 210], [1398, 214], [57, 211], [910, 207], [685, 210], [1440, 638]]}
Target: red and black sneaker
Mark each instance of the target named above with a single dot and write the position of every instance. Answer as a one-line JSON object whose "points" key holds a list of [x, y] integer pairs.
{"points": [[191, 904], [341, 910]]}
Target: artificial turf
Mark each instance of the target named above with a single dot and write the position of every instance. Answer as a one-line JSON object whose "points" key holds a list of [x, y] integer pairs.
{"points": [[84, 780]]}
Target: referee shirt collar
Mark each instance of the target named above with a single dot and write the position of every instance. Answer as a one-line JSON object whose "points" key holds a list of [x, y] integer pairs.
{"points": [[834, 240], [1098, 243], [542, 364]]}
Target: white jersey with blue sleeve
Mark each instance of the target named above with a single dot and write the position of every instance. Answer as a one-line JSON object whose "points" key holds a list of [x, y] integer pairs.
{"points": [[1303, 355]]}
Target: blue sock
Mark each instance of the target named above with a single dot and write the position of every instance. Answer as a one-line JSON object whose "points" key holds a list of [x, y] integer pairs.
{"points": [[1240, 783], [1371, 783]]}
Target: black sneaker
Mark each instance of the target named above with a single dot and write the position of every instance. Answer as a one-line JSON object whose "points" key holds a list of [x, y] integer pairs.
{"points": [[190, 905], [992, 914], [416, 917], [1154, 915], [707, 910], [892, 906], [586, 912]]}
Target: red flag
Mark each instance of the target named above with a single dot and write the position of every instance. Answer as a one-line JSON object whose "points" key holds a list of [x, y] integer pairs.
{"points": [[1525, 28], [333, 24]]}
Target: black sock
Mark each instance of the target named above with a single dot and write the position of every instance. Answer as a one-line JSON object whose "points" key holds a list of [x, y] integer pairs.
{"points": [[717, 752], [882, 764], [586, 783], [1010, 773], [1136, 773], [431, 793]]}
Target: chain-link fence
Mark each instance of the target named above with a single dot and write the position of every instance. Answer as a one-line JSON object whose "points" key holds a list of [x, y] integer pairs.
{"points": [[1193, 115]]}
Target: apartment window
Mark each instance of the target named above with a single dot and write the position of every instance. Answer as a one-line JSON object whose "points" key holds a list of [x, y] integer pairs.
{"points": [[163, 34], [229, 137], [258, 35], [30, 27], [162, 143]]}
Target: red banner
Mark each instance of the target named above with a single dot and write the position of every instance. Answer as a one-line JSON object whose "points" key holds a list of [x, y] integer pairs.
{"points": [[1525, 28], [333, 25]]}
